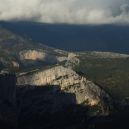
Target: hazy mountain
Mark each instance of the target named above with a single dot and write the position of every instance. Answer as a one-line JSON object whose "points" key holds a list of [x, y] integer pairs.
{"points": [[75, 37]]}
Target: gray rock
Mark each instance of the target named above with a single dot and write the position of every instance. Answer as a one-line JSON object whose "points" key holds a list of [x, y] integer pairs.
{"points": [[69, 81]]}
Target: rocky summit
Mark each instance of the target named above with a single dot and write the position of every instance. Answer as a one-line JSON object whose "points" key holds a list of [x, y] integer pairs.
{"points": [[29, 106], [69, 81]]}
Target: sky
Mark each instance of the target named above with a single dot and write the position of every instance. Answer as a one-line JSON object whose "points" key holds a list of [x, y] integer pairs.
{"points": [[66, 11]]}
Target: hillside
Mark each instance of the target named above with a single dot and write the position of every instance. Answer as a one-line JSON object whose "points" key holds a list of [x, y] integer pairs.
{"points": [[113, 38], [108, 70], [20, 54]]}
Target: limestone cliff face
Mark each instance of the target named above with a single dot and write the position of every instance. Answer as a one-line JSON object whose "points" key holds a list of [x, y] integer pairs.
{"points": [[69, 59], [72, 60], [32, 55], [69, 81]]}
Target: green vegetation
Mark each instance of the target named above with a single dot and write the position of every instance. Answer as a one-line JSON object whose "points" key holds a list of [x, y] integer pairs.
{"points": [[112, 74]]}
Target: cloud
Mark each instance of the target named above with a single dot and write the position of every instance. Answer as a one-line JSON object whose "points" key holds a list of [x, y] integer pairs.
{"points": [[66, 11]]}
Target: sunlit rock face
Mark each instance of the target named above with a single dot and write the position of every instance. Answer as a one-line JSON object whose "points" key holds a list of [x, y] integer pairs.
{"points": [[69, 81], [8, 114], [15, 64], [32, 55], [72, 60], [37, 55]]}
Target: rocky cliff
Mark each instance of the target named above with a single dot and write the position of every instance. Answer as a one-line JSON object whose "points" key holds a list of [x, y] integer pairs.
{"points": [[69, 81], [70, 59], [32, 55], [31, 107]]}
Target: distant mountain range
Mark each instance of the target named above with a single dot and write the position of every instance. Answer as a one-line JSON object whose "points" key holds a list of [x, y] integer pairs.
{"points": [[112, 38]]}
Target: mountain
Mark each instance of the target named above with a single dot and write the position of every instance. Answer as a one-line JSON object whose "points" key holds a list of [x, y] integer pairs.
{"points": [[26, 57], [69, 81], [113, 38], [34, 107], [21, 53], [42, 86]]}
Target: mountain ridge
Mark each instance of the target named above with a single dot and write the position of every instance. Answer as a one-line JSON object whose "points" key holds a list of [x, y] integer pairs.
{"points": [[113, 38]]}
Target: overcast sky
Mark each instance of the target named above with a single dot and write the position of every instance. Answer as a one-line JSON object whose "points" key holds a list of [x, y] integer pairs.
{"points": [[66, 11]]}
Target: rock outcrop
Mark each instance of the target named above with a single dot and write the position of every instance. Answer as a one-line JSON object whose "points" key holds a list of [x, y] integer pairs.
{"points": [[69, 81], [69, 59], [37, 55], [32, 55], [37, 107], [72, 60], [15, 64]]}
